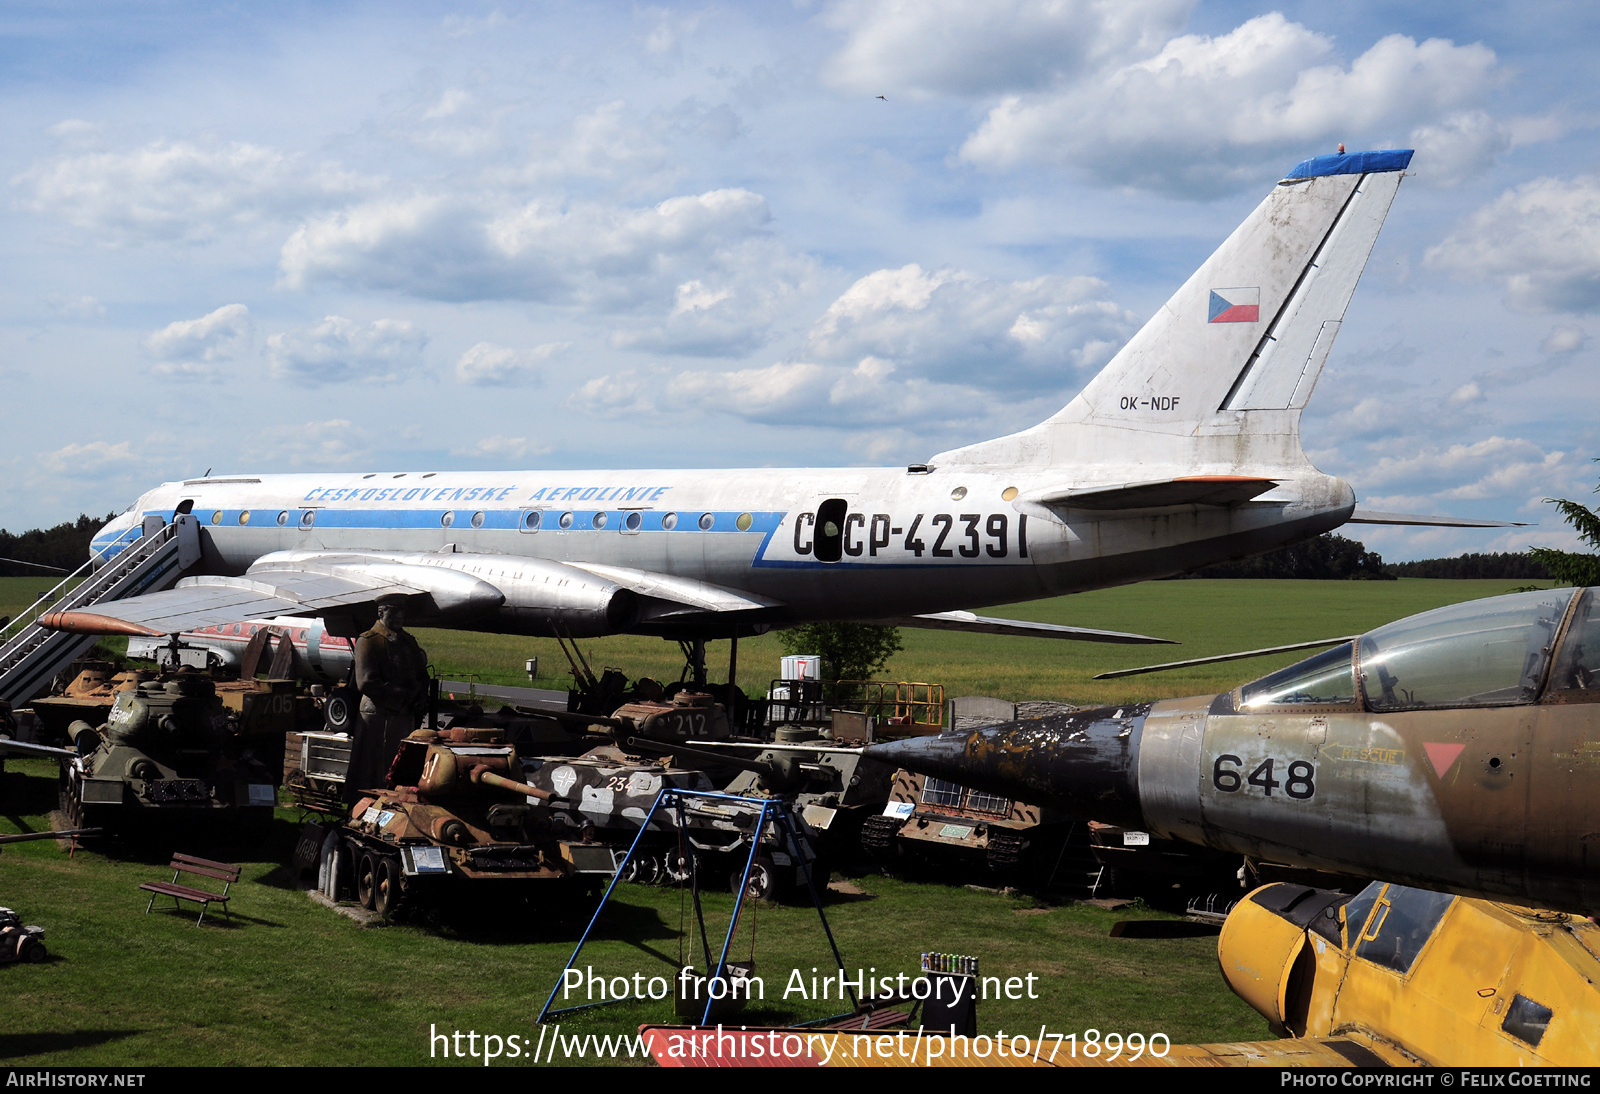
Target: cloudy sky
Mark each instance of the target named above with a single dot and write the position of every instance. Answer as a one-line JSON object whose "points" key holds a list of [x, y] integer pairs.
{"points": [[296, 236]]}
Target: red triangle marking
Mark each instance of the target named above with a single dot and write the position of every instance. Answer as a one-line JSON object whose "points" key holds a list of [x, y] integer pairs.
{"points": [[1442, 756]]}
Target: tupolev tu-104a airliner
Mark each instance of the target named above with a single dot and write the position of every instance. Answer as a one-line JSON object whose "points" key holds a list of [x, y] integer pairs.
{"points": [[1185, 450]]}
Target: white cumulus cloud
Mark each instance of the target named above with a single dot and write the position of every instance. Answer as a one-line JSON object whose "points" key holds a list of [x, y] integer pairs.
{"points": [[1042, 334], [502, 448], [192, 348], [487, 364], [455, 247], [338, 350], [1541, 240], [1206, 112], [965, 47], [179, 190], [1563, 340]]}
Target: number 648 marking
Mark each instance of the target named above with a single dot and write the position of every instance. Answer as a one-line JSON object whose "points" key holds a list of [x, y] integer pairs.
{"points": [[1300, 784]]}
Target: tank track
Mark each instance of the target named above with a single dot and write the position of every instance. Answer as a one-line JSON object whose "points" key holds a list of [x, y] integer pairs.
{"points": [[1007, 851], [877, 837]]}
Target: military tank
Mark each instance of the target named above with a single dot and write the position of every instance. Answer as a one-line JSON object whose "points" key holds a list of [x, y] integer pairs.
{"points": [[88, 696], [172, 749], [457, 806], [835, 791]]}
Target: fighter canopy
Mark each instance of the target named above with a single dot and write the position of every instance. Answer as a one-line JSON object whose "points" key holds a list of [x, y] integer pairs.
{"points": [[1494, 652]]}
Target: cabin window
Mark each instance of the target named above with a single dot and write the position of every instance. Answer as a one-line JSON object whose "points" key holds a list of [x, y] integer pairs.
{"points": [[308, 518], [598, 520], [940, 792], [707, 521], [447, 520], [1527, 1020], [828, 544], [477, 520], [669, 521], [531, 520], [283, 517]]}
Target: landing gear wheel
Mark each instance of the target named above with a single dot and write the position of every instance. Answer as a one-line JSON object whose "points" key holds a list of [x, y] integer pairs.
{"points": [[367, 881], [386, 888]]}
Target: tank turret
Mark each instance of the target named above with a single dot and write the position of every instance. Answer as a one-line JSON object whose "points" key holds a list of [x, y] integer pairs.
{"points": [[168, 747]]}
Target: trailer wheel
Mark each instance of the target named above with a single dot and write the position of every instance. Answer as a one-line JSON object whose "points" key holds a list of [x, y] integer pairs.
{"points": [[386, 885], [367, 881]]}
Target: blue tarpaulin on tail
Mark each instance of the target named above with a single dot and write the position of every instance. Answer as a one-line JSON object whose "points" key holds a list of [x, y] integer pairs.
{"points": [[1352, 163]]}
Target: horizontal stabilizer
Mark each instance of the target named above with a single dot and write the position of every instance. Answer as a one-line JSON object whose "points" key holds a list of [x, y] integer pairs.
{"points": [[1018, 628], [1188, 490], [1372, 516], [1319, 644]]}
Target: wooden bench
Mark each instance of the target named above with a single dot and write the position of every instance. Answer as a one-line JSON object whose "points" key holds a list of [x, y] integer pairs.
{"points": [[202, 867]]}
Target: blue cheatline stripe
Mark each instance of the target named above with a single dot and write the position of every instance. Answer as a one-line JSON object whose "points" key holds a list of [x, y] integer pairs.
{"points": [[1352, 163], [583, 520]]}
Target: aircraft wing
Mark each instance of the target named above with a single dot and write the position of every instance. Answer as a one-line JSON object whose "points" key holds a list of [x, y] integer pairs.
{"points": [[1184, 490], [1372, 516], [305, 586], [1019, 628], [701, 595]]}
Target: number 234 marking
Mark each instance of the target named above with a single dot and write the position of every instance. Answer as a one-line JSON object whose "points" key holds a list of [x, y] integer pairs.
{"points": [[1299, 782]]}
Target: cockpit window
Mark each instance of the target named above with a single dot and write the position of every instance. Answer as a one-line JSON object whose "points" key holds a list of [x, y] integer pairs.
{"points": [[1401, 926], [1483, 653], [1328, 679], [1577, 667]]}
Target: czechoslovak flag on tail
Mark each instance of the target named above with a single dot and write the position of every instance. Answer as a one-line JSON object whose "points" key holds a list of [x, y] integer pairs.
{"points": [[1235, 305]]}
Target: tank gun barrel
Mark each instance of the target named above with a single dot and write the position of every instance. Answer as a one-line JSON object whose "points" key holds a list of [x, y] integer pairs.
{"points": [[481, 774]]}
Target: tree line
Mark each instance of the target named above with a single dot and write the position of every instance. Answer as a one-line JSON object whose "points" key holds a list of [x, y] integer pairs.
{"points": [[64, 547]]}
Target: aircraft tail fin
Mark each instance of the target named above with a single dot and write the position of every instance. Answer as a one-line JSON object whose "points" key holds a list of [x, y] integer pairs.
{"points": [[1249, 331]]}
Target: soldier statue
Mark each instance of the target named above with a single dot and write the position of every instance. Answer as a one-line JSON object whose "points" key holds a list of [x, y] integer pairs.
{"points": [[392, 677]]}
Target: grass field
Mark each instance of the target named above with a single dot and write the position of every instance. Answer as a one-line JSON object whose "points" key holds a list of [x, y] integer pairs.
{"points": [[1207, 617], [289, 982]]}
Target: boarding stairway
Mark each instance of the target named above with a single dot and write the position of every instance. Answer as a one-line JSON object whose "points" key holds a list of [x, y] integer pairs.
{"points": [[33, 656]]}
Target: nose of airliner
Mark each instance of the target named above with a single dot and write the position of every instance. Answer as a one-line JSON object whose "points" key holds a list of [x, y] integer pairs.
{"points": [[115, 537]]}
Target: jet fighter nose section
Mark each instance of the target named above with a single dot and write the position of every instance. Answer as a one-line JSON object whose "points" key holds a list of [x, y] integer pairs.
{"points": [[1085, 762]]}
